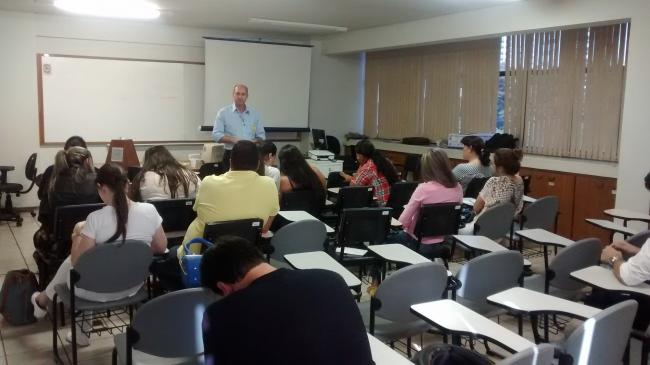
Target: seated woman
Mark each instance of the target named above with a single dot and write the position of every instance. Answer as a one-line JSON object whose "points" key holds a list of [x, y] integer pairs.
{"points": [[121, 219], [298, 175], [268, 151], [162, 177], [506, 186], [478, 158], [438, 186], [43, 180], [71, 182], [374, 170]]}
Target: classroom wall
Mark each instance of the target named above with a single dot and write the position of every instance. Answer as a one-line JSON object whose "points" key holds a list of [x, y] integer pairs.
{"points": [[22, 35], [543, 14]]}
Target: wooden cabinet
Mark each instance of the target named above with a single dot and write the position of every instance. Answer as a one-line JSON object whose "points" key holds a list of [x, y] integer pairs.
{"points": [[545, 183], [592, 195]]}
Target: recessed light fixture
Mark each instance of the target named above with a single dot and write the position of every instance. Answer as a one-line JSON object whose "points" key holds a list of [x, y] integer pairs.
{"points": [[130, 9], [306, 26]]}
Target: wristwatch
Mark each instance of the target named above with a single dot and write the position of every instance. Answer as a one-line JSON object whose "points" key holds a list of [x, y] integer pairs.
{"points": [[612, 260]]}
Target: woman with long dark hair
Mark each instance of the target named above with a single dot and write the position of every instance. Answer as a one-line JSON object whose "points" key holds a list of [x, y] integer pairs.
{"points": [[297, 174], [374, 170], [120, 220], [478, 161], [163, 177]]}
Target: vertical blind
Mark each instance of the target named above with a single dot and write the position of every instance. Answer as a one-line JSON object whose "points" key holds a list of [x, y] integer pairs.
{"points": [[432, 91], [564, 90]]}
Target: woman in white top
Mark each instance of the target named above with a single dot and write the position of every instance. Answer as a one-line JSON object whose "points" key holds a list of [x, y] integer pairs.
{"points": [[478, 161], [121, 219], [162, 177], [268, 152]]}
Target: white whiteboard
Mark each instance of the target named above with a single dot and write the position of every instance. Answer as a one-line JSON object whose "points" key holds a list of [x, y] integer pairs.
{"points": [[104, 99], [277, 76]]}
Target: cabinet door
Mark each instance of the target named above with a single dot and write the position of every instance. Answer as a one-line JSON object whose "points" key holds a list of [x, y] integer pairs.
{"points": [[592, 196], [544, 183]]}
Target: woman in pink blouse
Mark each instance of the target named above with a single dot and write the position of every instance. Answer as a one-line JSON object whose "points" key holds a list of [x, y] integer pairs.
{"points": [[438, 186]]}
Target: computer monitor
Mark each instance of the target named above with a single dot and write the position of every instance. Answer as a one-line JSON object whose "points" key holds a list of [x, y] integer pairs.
{"points": [[318, 136]]}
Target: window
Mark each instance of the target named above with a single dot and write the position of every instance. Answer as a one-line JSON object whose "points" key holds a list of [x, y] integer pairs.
{"points": [[560, 92]]}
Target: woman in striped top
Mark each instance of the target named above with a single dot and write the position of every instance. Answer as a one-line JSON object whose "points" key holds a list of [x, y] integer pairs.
{"points": [[478, 164]]}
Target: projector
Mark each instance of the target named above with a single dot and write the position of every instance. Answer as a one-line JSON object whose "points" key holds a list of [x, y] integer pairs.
{"points": [[321, 155]]}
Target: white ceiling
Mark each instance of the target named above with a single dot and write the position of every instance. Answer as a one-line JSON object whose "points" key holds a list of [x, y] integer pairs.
{"points": [[234, 14]]}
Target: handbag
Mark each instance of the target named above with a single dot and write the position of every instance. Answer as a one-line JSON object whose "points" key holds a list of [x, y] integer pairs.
{"points": [[191, 263]]}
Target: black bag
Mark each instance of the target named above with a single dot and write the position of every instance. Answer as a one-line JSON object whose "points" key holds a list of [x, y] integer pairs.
{"points": [[15, 298], [501, 141], [443, 354]]}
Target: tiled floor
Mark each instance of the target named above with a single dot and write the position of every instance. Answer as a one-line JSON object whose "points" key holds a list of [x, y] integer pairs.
{"points": [[32, 344]]}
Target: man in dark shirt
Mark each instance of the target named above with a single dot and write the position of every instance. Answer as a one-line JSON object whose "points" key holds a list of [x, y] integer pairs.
{"points": [[277, 316]]}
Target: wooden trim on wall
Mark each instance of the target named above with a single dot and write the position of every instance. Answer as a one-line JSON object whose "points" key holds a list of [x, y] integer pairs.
{"points": [[39, 87]]}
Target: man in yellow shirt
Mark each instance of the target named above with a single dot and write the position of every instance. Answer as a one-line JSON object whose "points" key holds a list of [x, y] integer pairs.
{"points": [[241, 193]]}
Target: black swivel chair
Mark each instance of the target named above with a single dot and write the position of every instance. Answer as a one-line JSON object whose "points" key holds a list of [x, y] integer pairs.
{"points": [[249, 229], [304, 200], [208, 169], [475, 186], [65, 219], [8, 213], [400, 194], [412, 164], [349, 197], [435, 220], [358, 227], [177, 215]]}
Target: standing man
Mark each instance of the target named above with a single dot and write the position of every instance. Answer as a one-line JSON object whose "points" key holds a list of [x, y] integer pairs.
{"points": [[237, 122]]}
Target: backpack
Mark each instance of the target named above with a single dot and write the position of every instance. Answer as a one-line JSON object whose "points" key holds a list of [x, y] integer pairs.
{"points": [[15, 297], [444, 354]]}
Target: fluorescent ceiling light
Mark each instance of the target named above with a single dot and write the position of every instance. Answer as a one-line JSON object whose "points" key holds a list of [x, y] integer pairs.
{"points": [[131, 9], [286, 24]]}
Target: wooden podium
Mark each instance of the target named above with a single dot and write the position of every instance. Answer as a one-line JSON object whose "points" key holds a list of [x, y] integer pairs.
{"points": [[122, 151]]}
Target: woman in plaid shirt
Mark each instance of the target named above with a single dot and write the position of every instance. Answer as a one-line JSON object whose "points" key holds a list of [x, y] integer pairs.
{"points": [[374, 170]]}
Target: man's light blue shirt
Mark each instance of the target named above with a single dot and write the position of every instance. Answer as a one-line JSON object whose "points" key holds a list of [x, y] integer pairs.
{"points": [[243, 125]]}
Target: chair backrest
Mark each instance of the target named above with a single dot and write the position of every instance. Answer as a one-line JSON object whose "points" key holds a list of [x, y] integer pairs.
{"points": [[354, 197], [400, 194], [133, 171], [489, 274], [412, 164], [180, 313], [249, 229], [96, 266], [177, 214], [333, 145], [307, 200], [495, 222], [541, 213], [30, 168], [640, 238], [541, 354], [208, 169], [298, 237], [335, 180], [420, 283], [440, 219], [65, 218], [601, 340], [359, 225], [579, 255], [475, 186]]}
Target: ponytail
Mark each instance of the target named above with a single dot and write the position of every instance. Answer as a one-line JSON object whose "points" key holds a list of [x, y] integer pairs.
{"points": [[384, 167], [477, 145], [114, 177]]}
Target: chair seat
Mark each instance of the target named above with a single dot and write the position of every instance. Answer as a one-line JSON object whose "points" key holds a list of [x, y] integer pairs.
{"points": [[386, 330], [143, 358], [63, 292], [11, 188]]}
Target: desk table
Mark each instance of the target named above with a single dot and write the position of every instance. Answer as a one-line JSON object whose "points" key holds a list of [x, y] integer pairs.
{"points": [[612, 228], [453, 317], [482, 243], [321, 260], [603, 278], [544, 238], [384, 355], [627, 215], [301, 215]]}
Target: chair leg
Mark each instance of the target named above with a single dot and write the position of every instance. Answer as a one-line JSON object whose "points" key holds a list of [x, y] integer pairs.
{"points": [[408, 347], [62, 311]]}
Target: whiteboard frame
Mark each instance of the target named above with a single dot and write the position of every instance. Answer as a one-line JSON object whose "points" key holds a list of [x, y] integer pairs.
{"points": [[41, 109]]}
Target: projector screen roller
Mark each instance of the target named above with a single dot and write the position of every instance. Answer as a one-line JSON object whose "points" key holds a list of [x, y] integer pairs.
{"points": [[277, 76]]}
